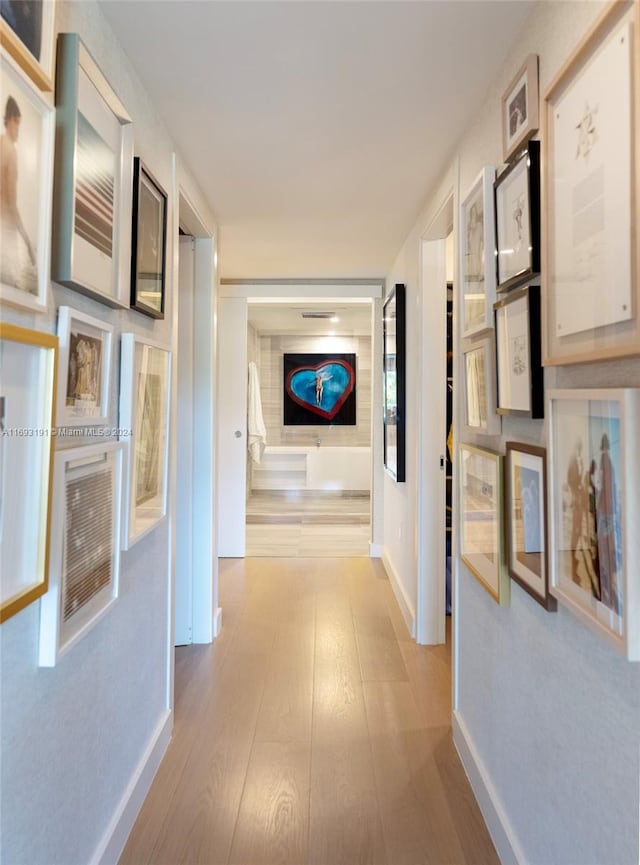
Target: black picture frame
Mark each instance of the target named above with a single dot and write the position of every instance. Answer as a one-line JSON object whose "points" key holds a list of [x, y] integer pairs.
{"points": [[394, 375], [148, 243], [519, 372], [517, 216], [319, 389]]}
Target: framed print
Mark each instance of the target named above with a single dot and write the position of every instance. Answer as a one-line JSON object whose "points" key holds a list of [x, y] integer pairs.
{"points": [[28, 365], [591, 250], [517, 192], [520, 108], [26, 32], [526, 520], [25, 204], [85, 364], [319, 389], [477, 267], [85, 546], [394, 394], [145, 377], [594, 539], [481, 532], [93, 180], [520, 374], [148, 243], [480, 387]]}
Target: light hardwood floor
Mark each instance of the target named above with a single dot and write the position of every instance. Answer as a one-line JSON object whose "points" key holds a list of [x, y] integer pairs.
{"points": [[314, 731]]}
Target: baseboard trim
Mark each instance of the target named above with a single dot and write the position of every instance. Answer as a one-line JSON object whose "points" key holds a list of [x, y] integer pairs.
{"points": [[375, 551], [495, 817], [406, 607], [217, 622], [115, 837]]}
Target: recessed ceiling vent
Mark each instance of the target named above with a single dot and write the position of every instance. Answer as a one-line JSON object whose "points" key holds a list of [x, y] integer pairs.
{"points": [[318, 314]]}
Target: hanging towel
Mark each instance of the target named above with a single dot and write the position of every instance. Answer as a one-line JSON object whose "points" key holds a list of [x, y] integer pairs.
{"points": [[256, 430]]}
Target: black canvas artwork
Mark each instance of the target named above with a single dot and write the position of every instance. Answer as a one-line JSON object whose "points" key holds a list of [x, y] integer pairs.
{"points": [[319, 389]]}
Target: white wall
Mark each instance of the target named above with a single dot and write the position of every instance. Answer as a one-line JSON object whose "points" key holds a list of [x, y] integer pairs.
{"points": [[74, 736], [548, 716]]}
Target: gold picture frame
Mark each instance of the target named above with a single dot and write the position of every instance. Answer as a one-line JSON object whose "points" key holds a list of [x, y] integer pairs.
{"points": [[30, 41]]}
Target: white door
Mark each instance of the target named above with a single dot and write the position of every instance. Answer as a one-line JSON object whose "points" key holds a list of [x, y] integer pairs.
{"points": [[232, 426]]}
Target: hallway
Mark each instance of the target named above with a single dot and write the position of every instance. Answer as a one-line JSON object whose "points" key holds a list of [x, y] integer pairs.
{"points": [[314, 730]]}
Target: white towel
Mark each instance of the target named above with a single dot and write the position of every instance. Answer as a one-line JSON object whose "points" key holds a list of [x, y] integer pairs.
{"points": [[256, 430]]}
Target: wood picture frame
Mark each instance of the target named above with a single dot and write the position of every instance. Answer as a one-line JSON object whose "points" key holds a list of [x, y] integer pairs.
{"points": [[93, 180], [148, 243], [477, 245], [394, 376], [26, 33], [520, 377], [28, 369], [520, 108], [479, 376], [591, 253]]}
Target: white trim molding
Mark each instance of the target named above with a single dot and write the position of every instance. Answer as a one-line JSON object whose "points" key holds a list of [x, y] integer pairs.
{"points": [[406, 607]]}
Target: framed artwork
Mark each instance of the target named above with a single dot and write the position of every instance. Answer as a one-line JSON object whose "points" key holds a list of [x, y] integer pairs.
{"points": [[477, 267], [481, 532], [25, 203], [520, 110], [93, 180], [85, 365], [319, 389], [394, 392], [594, 513], [85, 546], [145, 378], [148, 243], [28, 365], [591, 250], [520, 374], [517, 192], [480, 387], [26, 32], [526, 516]]}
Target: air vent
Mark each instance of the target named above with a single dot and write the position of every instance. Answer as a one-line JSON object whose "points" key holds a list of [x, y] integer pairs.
{"points": [[318, 314]]}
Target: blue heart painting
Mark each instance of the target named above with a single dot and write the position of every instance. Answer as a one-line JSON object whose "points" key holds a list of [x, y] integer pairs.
{"points": [[321, 389]]}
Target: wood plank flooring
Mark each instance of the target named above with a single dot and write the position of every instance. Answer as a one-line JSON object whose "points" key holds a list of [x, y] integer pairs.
{"points": [[314, 731]]}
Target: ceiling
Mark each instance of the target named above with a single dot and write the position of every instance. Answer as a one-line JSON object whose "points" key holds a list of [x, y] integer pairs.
{"points": [[353, 319], [316, 130]]}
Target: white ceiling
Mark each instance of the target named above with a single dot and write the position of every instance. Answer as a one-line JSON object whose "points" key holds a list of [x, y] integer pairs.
{"points": [[315, 129], [354, 319]]}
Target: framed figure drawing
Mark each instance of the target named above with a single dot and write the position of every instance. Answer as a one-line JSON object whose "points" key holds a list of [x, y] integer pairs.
{"points": [[480, 387], [520, 110], [477, 267], [394, 393], [93, 180], [520, 374], [26, 32], [517, 192], [145, 378], [319, 389], [591, 262], [148, 243], [25, 203], [594, 513], [28, 366]]}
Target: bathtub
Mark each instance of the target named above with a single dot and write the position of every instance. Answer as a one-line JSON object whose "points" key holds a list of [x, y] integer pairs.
{"points": [[313, 468]]}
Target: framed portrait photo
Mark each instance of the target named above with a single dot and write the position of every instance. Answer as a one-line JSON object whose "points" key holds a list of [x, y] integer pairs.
{"points": [[148, 243], [478, 358], [481, 530], [520, 373], [594, 540], [591, 249], [394, 393], [517, 193], [85, 365], [526, 518], [26, 32], [145, 378], [477, 266], [28, 365], [520, 109], [25, 203], [93, 180]]}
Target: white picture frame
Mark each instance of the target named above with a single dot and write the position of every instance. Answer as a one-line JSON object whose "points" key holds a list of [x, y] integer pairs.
{"points": [[27, 34], [477, 260], [478, 370]]}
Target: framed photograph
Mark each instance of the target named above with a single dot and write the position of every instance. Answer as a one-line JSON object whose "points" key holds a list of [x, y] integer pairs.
{"points": [[520, 374], [520, 114], [517, 192], [145, 377], [85, 546], [26, 32], [93, 180], [25, 204], [526, 517], [394, 395], [481, 532], [28, 365], [477, 266], [148, 243], [480, 387], [85, 365], [594, 539], [591, 250], [319, 389]]}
